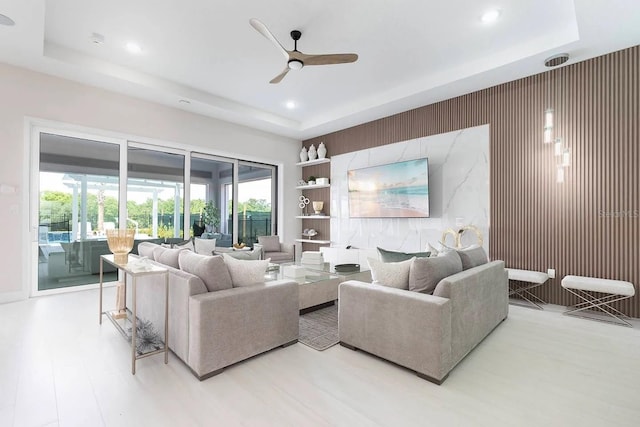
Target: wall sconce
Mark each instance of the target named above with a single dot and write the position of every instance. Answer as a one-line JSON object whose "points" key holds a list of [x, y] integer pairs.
{"points": [[558, 147], [560, 175], [566, 158], [561, 153], [548, 126]]}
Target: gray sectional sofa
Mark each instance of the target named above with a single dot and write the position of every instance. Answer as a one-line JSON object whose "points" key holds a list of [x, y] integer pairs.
{"points": [[210, 330], [429, 334]]}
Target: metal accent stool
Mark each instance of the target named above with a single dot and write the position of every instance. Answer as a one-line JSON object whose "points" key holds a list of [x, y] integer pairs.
{"points": [[522, 281], [610, 291]]}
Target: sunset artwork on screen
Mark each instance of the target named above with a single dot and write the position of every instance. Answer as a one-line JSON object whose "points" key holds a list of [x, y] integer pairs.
{"points": [[396, 190]]}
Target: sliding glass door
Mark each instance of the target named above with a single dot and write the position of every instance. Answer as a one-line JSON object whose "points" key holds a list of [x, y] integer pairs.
{"points": [[78, 202], [256, 199], [170, 195], [155, 193], [210, 198]]}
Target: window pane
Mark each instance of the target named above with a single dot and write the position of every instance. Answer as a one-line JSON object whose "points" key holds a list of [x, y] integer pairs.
{"points": [[155, 191], [255, 201], [212, 182], [79, 184]]}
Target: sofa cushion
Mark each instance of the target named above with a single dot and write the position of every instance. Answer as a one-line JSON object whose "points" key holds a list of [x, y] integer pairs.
{"points": [[393, 256], [246, 255], [246, 272], [145, 249], [281, 256], [204, 246], [426, 273], [392, 274], [167, 256], [472, 257], [188, 244], [269, 243], [211, 269]]}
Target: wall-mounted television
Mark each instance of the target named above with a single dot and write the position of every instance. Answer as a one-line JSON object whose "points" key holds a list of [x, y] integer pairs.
{"points": [[395, 190]]}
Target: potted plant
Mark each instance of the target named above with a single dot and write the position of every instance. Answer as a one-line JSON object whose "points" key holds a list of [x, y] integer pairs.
{"points": [[311, 180], [210, 217]]}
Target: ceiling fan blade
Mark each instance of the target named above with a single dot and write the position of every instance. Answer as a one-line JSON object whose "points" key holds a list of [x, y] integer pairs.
{"points": [[262, 29], [337, 58], [280, 76]]}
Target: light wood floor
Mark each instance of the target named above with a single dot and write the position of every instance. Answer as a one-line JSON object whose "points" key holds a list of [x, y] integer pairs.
{"points": [[59, 367]]}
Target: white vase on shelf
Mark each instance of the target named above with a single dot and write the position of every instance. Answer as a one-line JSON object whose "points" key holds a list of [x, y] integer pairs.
{"points": [[312, 152], [322, 151], [303, 155]]}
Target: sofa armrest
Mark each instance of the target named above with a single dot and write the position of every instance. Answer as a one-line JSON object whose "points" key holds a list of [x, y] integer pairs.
{"points": [[151, 300], [231, 325], [408, 328], [479, 302], [259, 247], [289, 248]]}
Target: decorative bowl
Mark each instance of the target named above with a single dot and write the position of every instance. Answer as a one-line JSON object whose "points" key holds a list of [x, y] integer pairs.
{"points": [[347, 268], [120, 243]]}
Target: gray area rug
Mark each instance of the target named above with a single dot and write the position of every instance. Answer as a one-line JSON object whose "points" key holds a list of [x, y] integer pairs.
{"points": [[319, 328]]}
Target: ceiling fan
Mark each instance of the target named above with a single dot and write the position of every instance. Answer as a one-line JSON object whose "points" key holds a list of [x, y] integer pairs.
{"points": [[296, 59]]}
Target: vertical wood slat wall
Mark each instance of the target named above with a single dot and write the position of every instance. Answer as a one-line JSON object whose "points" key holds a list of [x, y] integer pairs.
{"points": [[587, 226]]}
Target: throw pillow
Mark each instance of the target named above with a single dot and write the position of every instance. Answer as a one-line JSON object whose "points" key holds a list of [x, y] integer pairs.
{"points": [[434, 251], [245, 255], [472, 257], [392, 274], [145, 249], [211, 269], [269, 243], [204, 246], [167, 256], [426, 273], [188, 244], [393, 256], [245, 272]]}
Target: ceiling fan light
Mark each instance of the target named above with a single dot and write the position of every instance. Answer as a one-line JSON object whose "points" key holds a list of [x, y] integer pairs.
{"points": [[295, 64]]}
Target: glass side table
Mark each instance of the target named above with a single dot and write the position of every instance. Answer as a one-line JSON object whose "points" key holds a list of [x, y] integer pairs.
{"points": [[122, 323]]}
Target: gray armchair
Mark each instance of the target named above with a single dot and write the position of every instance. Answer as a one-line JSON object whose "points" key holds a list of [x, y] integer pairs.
{"points": [[272, 248]]}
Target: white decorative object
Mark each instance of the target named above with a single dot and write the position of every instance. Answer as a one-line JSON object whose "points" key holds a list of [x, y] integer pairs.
{"points": [[322, 151], [322, 181], [317, 207], [303, 155], [312, 152], [295, 271], [303, 202], [312, 257], [309, 233]]}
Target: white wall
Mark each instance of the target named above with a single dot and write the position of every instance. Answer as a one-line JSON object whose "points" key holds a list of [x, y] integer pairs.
{"points": [[458, 192], [24, 93]]}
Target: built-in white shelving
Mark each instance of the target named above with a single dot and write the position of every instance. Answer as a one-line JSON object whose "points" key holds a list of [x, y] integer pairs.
{"points": [[317, 242], [313, 217], [314, 162], [310, 187]]}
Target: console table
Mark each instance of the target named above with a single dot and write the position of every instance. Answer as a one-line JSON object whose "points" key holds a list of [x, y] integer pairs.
{"points": [[130, 320]]}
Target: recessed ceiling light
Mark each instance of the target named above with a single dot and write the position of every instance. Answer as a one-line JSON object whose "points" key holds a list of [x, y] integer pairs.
{"points": [[5, 20], [291, 105], [133, 47], [490, 16]]}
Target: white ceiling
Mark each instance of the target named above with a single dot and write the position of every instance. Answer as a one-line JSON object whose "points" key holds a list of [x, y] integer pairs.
{"points": [[411, 52]]}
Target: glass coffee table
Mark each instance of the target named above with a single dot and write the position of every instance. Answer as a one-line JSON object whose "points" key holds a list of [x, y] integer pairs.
{"points": [[318, 282]]}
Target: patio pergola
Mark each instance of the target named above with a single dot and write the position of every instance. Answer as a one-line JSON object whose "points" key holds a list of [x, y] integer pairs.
{"points": [[80, 184]]}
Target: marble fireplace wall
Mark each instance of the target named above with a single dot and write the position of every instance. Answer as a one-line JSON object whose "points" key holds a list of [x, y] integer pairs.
{"points": [[458, 191]]}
